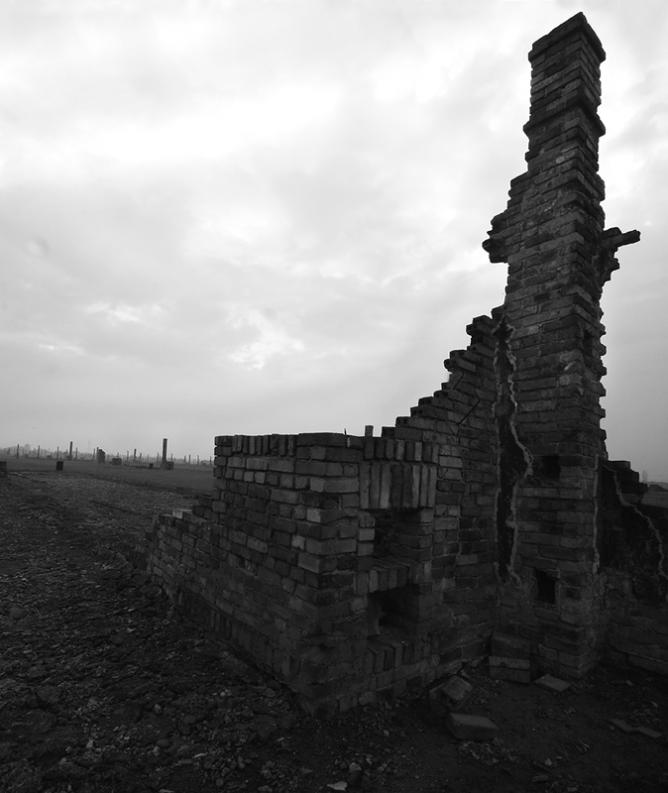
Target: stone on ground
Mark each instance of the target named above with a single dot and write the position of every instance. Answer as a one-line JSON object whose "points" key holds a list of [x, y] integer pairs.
{"points": [[454, 691], [470, 727], [552, 683]]}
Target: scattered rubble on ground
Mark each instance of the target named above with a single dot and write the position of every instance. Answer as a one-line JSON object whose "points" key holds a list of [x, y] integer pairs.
{"points": [[104, 688]]}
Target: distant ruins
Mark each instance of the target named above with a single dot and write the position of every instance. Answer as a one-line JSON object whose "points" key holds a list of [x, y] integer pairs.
{"points": [[489, 522]]}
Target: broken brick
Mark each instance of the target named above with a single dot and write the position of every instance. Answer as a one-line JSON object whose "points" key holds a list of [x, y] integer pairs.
{"points": [[469, 727], [552, 683]]}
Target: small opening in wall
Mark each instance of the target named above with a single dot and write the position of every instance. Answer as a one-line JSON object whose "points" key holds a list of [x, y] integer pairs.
{"points": [[551, 467], [546, 587], [391, 524], [391, 611]]}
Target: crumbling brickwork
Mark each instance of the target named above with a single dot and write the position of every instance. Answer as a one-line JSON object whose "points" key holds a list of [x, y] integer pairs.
{"points": [[559, 256], [633, 571], [480, 524]]}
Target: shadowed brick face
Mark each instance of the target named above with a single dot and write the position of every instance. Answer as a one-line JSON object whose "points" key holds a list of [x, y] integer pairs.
{"points": [[489, 520]]}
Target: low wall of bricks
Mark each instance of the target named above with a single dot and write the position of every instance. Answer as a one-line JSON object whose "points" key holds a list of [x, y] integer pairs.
{"points": [[351, 565], [638, 638], [633, 538], [315, 555]]}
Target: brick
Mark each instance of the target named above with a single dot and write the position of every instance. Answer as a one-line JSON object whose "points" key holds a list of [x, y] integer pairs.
{"points": [[310, 468], [552, 683], [648, 732], [316, 515], [284, 496], [454, 691], [517, 670], [509, 646], [346, 529], [622, 725], [341, 485], [385, 487], [509, 674], [326, 439], [308, 561], [471, 727]]}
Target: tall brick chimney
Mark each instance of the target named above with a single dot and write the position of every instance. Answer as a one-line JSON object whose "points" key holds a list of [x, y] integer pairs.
{"points": [[549, 352]]}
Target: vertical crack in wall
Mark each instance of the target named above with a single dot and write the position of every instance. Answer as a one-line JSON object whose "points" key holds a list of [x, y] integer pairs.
{"points": [[514, 460]]}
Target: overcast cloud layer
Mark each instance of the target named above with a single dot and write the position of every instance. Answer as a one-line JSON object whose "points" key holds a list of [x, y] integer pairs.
{"points": [[254, 217]]}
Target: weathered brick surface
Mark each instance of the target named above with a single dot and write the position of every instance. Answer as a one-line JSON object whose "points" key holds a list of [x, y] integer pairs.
{"points": [[469, 727], [352, 565]]}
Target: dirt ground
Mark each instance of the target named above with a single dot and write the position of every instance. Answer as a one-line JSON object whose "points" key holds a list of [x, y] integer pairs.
{"points": [[104, 688]]}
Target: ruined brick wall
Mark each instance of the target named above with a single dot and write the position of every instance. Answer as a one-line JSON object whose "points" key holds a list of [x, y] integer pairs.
{"points": [[483, 521], [632, 538], [351, 565], [559, 256], [459, 417]]}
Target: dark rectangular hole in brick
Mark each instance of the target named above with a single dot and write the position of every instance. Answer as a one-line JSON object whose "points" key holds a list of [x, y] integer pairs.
{"points": [[390, 525], [550, 466], [546, 587], [392, 611]]}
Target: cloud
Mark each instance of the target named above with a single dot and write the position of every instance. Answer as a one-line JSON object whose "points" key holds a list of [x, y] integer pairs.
{"points": [[272, 338]]}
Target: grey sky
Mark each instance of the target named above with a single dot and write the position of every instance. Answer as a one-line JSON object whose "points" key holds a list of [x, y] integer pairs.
{"points": [[252, 217]]}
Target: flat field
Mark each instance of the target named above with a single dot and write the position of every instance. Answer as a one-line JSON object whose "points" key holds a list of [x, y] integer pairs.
{"points": [[182, 478]]}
